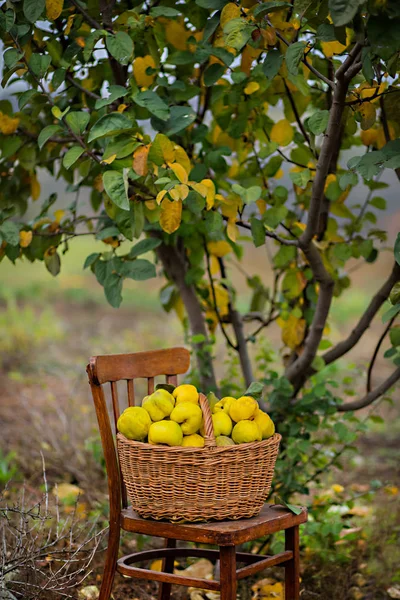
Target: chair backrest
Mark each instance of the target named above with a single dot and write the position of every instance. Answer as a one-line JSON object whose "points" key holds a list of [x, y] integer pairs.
{"points": [[127, 367]]}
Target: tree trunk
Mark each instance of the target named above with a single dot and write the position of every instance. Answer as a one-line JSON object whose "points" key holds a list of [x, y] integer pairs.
{"points": [[242, 349], [174, 266]]}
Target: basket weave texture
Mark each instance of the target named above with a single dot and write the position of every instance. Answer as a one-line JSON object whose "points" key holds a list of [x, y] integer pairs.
{"points": [[197, 484]]}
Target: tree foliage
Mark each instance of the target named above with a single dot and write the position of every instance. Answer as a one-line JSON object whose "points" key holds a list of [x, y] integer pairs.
{"points": [[184, 120]]}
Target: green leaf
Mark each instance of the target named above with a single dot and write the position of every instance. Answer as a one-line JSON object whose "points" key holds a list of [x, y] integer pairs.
{"points": [[153, 103], [47, 133], [39, 64], [10, 145], [213, 73], [91, 259], [181, 117], [397, 249], [138, 270], [109, 125], [116, 186], [144, 246], [53, 263], [115, 91], [78, 121], [254, 390], [72, 156], [273, 216], [267, 7], [378, 202], [318, 122], [164, 11], [258, 232], [347, 179], [389, 314], [212, 4], [26, 97], [113, 289], [395, 336], [120, 46], [33, 9], [272, 63], [11, 57], [253, 194], [343, 11], [294, 55], [301, 178], [9, 231], [296, 510], [237, 33]]}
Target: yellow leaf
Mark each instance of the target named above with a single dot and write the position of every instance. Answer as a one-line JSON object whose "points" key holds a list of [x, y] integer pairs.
{"points": [[282, 132], [151, 204], [140, 65], [171, 215], [210, 196], [139, 164], [35, 187], [122, 107], [109, 160], [25, 238], [369, 136], [293, 332], [182, 158], [219, 249], [54, 9], [200, 188], [70, 22], [179, 192], [8, 125], [214, 265], [80, 41], [176, 34], [58, 215], [160, 196], [251, 87], [98, 183], [367, 111], [337, 488], [331, 48], [262, 205], [179, 172], [231, 230], [229, 12], [67, 492], [166, 146]]}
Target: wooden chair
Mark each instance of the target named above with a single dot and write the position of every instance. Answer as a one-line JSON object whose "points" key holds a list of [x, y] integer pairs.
{"points": [[226, 534]]}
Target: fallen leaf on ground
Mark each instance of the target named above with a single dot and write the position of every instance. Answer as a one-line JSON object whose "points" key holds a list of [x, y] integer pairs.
{"points": [[90, 592]]}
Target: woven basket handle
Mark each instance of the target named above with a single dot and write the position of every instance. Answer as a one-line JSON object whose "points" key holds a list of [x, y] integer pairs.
{"points": [[209, 437]]}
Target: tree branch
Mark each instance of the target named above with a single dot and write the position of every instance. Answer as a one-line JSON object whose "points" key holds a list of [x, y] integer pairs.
{"points": [[373, 395], [366, 319], [376, 352], [174, 266], [81, 88], [241, 342], [297, 117]]}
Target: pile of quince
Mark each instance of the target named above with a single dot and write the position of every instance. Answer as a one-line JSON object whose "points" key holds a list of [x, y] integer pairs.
{"points": [[176, 419]]}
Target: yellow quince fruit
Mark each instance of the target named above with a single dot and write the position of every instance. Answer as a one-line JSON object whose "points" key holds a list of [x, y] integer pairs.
{"points": [[134, 423], [265, 424], [186, 393], [195, 440], [224, 404], [165, 432], [246, 431], [189, 415], [222, 423], [224, 440], [244, 408], [159, 404]]}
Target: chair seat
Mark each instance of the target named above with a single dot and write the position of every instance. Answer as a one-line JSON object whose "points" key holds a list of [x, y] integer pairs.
{"points": [[271, 519]]}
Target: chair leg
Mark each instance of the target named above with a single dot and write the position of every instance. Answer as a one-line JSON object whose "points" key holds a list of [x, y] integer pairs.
{"points": [[227, 556], [164, 589], [292, 567], [110, 564]]}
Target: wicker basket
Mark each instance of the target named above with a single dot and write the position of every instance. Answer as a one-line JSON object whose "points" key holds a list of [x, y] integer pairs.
{"points": [[198, 484]]}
